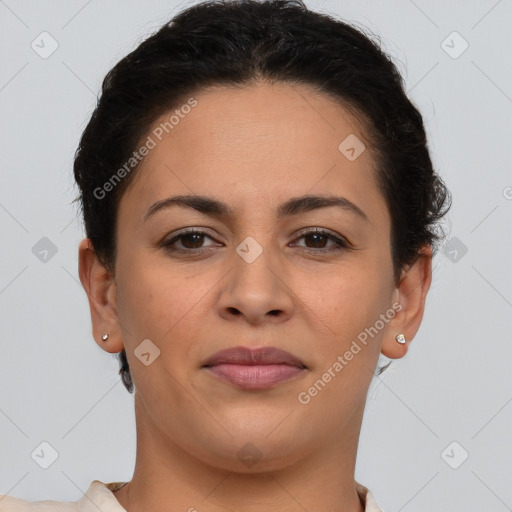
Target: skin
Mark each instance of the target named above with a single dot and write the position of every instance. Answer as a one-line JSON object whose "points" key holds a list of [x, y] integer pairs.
{"points": [[253, 148]]}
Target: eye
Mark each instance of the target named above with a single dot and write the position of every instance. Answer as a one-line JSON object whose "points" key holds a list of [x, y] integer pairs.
{"points": [[319, 237], [191, 241]]}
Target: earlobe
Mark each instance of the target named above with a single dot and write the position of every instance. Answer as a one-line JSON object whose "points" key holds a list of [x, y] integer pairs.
{"points": [[99, 285], [412, 291]]}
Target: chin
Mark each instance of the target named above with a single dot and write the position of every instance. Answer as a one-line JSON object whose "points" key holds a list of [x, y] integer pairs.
{"points": [[252, 454]]}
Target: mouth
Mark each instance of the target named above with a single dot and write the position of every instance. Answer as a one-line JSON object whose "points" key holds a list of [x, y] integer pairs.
{"points": [[260, 368]]}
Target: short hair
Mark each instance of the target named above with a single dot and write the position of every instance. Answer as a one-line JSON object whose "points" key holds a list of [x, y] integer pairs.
{"points": [[240, 42]]}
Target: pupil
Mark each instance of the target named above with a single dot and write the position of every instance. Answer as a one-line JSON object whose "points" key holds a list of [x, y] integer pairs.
{"points": [[198, 238], [317, 236]]}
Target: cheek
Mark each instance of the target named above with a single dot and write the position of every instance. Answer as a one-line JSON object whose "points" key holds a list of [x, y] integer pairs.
{"points": [[343, 294], [150, 299], [350, 305], [154, 304], [161, 301]]}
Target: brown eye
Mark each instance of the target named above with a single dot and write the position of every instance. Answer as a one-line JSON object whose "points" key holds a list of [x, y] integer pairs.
{"points": [[318, 240], [192, 240], [189, 241]]}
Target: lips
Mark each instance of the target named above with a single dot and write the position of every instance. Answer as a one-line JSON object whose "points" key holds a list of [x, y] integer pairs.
{"points": [[253, 357], [254, 369]]}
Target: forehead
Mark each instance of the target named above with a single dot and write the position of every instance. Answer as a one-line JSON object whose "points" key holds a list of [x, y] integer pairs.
{"points": [[254, 143]]}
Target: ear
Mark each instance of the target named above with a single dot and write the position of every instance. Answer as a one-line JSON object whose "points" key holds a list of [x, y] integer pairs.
{"points": [[411, 294], [100, 287]]}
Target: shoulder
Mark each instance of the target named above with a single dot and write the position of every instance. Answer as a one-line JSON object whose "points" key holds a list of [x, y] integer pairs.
{"points": [[367, 498], [99, 494], [12, 504]]}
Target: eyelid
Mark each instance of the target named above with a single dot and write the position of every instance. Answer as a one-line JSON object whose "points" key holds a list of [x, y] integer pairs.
{"points": [[339, 241], [322, 231], [167, 241]]}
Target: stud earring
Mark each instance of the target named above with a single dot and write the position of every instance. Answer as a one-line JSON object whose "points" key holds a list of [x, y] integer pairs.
{"points": [[104, 336], [400, 338]]}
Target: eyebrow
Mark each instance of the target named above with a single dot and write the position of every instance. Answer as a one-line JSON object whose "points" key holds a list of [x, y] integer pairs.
{"points": [[293, 206]]}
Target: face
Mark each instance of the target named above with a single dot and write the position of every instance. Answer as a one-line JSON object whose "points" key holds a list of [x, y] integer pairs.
{"points": [[265, 268]]}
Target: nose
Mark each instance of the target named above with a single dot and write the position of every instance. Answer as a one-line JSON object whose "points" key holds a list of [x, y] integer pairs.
{"points": [[256, 291]]}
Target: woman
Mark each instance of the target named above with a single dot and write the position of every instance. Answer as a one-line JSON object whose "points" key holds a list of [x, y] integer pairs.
{"points": [[261, 215]]}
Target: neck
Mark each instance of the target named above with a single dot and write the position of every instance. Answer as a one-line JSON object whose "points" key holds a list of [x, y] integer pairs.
{"points": [[168, 478]]}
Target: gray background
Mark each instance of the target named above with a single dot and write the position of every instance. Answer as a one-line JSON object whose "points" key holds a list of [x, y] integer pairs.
{"points": [[454, 385]]}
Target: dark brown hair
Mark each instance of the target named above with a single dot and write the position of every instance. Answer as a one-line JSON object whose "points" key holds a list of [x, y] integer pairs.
{"points": [[236, 42]]}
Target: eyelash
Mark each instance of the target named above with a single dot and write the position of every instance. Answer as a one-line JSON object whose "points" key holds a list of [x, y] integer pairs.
{"points": [[341, 243]]}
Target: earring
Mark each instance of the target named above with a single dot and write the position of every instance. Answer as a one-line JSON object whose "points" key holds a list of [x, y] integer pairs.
{"points": [[104, 336], [400, 338]]}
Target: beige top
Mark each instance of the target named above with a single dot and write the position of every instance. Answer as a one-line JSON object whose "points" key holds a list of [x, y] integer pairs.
{"points": [[100, 496]]}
